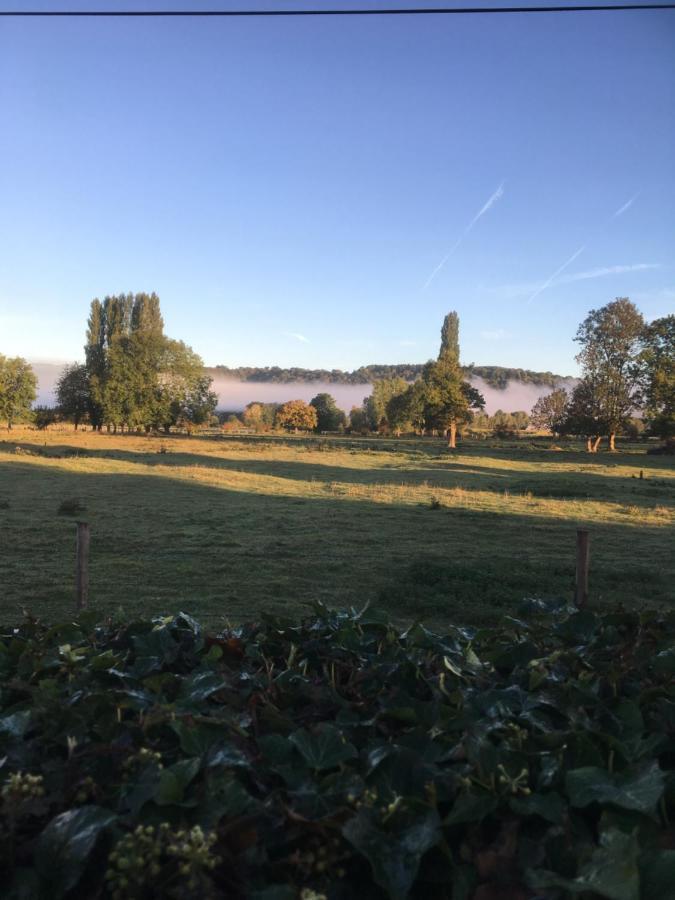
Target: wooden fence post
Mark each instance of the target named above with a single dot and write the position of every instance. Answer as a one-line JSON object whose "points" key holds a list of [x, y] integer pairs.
{"points": [[82, 566], [581, 589]]}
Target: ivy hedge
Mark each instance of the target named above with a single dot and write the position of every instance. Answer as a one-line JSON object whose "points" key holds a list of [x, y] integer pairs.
{"points": [[339, 757]]}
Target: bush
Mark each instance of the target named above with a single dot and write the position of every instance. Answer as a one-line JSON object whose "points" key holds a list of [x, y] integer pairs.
{"points": [[338, 757], [44, 416]]}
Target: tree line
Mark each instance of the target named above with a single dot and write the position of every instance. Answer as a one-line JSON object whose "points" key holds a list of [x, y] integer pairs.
{"points": [[627, 370], [136, 377], [133, 377], [495, 376]]}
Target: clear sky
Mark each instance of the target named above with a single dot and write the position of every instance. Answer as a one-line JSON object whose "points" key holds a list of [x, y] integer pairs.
{"points": [[291, 187]]}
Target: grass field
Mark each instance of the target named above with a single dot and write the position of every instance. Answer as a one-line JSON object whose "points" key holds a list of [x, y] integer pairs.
{"points": [[226, 528]]}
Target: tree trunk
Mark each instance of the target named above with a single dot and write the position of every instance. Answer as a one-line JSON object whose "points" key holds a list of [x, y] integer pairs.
{"points": [[589, 446], [452, 436], [596, 444], [612, 436]]}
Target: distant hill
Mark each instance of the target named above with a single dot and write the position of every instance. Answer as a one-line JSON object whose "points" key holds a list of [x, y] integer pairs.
{"points": [[496, 376]]}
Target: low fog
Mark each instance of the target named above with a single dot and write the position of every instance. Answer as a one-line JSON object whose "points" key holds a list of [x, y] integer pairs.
{"points": [[234, 395]]}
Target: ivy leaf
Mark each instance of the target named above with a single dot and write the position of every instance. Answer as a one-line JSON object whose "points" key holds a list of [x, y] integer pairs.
{"points": [[639, 791], [64, 846], [611, 872], [394, 858], [471, 806], [174, 780], [549, 806], [324, 749]]}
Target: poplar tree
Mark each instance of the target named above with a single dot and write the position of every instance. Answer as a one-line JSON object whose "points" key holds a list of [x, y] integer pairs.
{"points": [[449, 399]]}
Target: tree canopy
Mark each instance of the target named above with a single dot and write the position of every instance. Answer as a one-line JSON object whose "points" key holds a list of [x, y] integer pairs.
{"points": [[329, 416], [610, 340], [658, 376], [18, 386], [136, 376], [296, 415]]}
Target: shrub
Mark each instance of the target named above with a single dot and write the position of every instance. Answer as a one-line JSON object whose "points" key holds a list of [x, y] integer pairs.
{"points": [[338, 757]]}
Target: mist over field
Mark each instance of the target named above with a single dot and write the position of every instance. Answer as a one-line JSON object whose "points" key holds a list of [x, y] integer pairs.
{"points": [[234, 395]]}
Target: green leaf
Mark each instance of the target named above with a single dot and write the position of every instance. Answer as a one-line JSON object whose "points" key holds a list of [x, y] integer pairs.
{"points": [[471, 806], [394, 858], [612, 870], [323, 749], [16, 724], [199, 687], [64, 846], [639, 791], [174, 780], [549, 806], [198, 739]]}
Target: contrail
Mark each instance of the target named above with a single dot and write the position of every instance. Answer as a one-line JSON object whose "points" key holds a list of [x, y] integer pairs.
{"points": [[493, 199], [608, 270], [298, 337], [557, 272], [622, 209]]}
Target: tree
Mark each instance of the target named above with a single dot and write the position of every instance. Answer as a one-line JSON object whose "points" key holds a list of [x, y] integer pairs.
{"points": [[448, 398], [185, 395], [375, 405], [73, 394], [18, 388], [253, 416], [550, 411], [44, 416], [137, 376], [657, 363], [610, 340], [296, 415], [450, 338], [583, 415], [358, 420], [329, 416], [406, 411]]}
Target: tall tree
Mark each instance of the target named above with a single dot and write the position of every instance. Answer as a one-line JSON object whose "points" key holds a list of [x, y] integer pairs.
{"points": [[658, 376], [18, 388], [138, 376], [610, 347], [550, 411], [450, 338], [73, 394], [584, 415], [448, 398], [329, 416]]}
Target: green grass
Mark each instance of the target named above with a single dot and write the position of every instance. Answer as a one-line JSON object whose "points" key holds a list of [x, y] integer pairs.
{"points": [[226, 528]]}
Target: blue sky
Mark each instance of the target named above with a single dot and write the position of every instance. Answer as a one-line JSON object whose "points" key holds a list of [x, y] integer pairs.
{"points": [[290, 187]]}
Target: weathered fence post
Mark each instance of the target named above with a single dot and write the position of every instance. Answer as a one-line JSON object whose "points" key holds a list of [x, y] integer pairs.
{"points": [[581, 589], [82, 566]]}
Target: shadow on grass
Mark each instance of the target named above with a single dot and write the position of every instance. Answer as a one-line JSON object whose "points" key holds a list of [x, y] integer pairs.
{"points": [[446, 474], [159, 544]]}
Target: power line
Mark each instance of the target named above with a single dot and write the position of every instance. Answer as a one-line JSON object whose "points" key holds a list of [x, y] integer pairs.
{"points": [[278, 13]]}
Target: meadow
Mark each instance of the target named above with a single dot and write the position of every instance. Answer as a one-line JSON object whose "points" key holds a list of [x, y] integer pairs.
{"points": [[229, 527]]}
